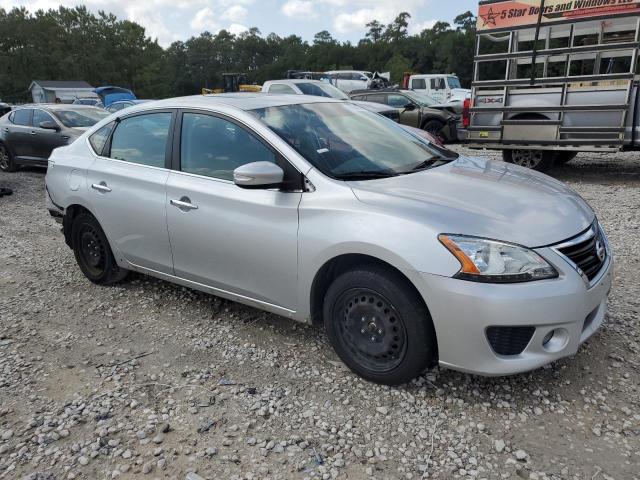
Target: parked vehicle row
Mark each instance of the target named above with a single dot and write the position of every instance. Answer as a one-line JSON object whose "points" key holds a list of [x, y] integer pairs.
{"points": [[321, 211]]}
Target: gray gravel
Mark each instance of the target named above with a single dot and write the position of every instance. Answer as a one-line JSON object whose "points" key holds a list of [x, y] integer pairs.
{"points": [[151, 380]]}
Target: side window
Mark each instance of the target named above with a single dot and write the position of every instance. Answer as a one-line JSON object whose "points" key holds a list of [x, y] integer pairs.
{"points": [[361, 98], [312, 89], [99, 138], [40, 116], [418, 84], [22, 117], [280, 88], [142, 139], [357, 76], [377, 98], [437, 84], [397, 101], [215, 147], [344, 76]]}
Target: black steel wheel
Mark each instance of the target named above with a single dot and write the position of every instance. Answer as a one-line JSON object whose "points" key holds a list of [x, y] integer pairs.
{"points": [[6, 160], [371, 329], [92, 251], [378, 325]]}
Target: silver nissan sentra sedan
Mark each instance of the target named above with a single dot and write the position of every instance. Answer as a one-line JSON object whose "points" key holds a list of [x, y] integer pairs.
{"points": [[320, 211]]}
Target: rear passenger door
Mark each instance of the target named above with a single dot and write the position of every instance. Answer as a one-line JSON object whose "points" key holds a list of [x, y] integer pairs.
{"points": [[233, 239], [127, 183], [18, 132], [408, 116]]}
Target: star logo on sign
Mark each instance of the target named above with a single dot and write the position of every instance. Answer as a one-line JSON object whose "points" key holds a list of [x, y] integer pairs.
{"points": [[489, 18]]}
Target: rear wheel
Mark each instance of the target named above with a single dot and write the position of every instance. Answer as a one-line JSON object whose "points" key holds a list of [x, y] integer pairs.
{"points": [[564, 157], [6, 160], [540, 160], [379, 326], [93, 253]]}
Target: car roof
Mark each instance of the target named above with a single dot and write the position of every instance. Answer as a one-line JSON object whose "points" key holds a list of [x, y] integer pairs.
{"points": [[296, 80], [377, 90], [56, 106], [242, 100]]}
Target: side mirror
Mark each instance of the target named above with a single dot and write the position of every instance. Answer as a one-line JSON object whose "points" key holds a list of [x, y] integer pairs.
{"points": [[258, 175], [49, 125], [409, 107]]}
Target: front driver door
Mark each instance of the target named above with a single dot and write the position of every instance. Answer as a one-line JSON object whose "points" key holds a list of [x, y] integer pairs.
{"points": [[45, 140], [127, 187], [242, 241]]}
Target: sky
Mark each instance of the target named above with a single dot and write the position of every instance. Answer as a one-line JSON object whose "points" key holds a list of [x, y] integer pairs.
{"points": [[171, 20]]}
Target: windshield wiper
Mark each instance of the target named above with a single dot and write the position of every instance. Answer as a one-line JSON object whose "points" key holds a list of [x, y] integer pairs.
{"points": [[364, 175], [430, 163]]}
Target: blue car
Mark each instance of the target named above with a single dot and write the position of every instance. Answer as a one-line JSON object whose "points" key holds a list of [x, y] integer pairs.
{"points": [[122, 104], [109, 95]]}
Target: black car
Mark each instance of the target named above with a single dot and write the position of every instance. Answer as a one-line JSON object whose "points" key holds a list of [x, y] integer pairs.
{"points": [[29, 133], [415, 110]]}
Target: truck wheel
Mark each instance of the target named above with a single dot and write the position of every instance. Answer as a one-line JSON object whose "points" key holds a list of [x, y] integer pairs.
{"points": [[6, 160], [564, 157], [541, 160], [379, 326]]}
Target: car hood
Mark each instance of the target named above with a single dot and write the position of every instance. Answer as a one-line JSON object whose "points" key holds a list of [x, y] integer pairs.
{"points": [[484, 198]]}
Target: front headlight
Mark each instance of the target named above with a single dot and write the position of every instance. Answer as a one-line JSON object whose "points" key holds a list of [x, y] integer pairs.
{"points": [[491, 261]]}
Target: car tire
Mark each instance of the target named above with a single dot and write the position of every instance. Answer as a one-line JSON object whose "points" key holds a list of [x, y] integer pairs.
{"points": [[565, 157], [434, 127], [6, 159], [93, 253], [540, 160], [379, 326]]}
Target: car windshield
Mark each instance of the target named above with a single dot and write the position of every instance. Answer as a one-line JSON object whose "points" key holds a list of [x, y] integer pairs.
{"points": [[322, 90], [422, 99], [345, 141], [453, 82], [86, 117]]}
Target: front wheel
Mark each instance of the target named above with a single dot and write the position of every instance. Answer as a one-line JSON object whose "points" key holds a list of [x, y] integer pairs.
{"points": [[6, 160], [379, 326], [93, 253], [434, 127], [541, 160]]}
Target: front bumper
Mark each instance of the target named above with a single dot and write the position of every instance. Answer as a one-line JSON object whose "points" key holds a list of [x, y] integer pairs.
{"points": [[462, 311]]}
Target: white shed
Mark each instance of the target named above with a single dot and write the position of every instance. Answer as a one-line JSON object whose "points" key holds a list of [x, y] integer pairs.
{"points": [[46, 91]]}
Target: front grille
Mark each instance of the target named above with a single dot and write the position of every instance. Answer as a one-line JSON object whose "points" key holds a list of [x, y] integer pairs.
{"points": [[509, 340], [587, 252]]}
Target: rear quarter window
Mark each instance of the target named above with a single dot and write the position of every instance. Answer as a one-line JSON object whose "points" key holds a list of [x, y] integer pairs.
{"points": [[22, 117], [99, 139]]}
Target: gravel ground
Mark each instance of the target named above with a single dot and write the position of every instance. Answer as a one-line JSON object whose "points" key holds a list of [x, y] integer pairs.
{"points": [[151, 380]]}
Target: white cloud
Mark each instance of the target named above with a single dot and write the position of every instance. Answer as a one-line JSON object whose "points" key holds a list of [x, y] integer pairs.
{"points": [[236, 13], [418, 27], [204, 19], [236, 29], [298, 9]]}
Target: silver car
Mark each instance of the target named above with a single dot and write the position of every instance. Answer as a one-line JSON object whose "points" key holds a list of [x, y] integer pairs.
{"points": [[323, 212]]}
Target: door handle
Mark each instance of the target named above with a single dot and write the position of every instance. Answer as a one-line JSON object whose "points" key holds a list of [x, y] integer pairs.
{"points": [[6, 129], [32, 132], [183, 204], [101, 187]]}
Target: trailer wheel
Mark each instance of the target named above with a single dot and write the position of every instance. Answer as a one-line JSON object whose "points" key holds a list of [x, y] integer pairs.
{"points": [[541, 160]]}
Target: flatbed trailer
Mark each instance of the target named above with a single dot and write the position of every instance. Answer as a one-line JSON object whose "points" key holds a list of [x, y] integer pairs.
{"points": [[555, 77]]}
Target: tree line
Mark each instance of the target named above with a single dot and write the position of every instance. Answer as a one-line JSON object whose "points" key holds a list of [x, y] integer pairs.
{"points": [[76, 44]]}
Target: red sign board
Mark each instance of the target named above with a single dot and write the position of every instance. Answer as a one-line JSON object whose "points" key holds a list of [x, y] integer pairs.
{"points": [[521, 13]]}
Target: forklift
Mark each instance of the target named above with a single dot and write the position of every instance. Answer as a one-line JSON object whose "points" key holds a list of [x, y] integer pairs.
{"points": [[233, 82]]}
